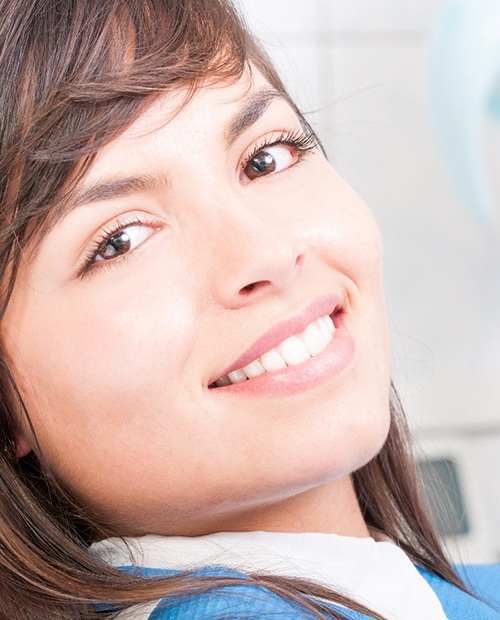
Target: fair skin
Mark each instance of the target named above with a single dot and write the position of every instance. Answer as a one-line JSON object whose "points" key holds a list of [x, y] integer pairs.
{"points": [[114, 360]]}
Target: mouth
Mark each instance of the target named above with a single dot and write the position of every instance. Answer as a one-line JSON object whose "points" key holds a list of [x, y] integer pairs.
{"points": [[275, 351]]}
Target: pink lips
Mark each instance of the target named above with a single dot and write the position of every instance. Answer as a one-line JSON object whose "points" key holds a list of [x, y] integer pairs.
{"points": [[302, 376]]}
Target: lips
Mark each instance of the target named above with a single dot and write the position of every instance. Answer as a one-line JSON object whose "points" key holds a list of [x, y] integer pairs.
{"points": [[291, 343], [290, 352]]}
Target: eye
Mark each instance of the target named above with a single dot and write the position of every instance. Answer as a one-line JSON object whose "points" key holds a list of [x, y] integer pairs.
{"points": [[277, 152], [123, 241], [269, 160], [118, 242]]}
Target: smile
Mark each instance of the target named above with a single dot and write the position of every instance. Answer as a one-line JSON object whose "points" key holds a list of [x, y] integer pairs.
{"points": [[292, 351], [295, 355]]}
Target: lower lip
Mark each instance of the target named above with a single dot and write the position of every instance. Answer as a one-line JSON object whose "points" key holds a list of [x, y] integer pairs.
{"points": [[302, 377]]}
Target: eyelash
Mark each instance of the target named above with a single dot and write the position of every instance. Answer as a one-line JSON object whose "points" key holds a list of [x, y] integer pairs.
{"points": [[297, 139], [104, 235]]}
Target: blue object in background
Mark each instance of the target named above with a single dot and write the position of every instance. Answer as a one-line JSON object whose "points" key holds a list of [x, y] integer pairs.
{"points": [[465, 79]]}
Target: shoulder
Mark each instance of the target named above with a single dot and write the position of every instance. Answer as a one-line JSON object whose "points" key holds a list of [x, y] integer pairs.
{"points": [[484, 583], [483, 580], [245, 601]]}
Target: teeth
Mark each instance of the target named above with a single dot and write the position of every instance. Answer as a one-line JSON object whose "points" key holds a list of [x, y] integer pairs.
{"points": [[254, 369], [314, 339], [225, 380], [327, 324], [292, 351], [272, 360], [237, 376]]}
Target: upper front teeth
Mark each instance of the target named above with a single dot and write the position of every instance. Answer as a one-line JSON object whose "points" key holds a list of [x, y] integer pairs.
{"points": [[292, 351]]}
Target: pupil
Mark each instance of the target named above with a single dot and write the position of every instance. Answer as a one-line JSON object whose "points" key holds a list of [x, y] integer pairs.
{"points": [[118, 244], [263, 162]]}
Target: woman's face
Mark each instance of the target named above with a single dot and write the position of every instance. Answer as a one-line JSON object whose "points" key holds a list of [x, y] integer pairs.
{"points": [[198, 244]]}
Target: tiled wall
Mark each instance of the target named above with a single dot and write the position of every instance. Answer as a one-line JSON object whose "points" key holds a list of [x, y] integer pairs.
{"points": [[362, 66]]}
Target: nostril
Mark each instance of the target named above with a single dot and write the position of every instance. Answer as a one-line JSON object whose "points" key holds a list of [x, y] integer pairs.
{"points": [[299, 262], [254, 286]]}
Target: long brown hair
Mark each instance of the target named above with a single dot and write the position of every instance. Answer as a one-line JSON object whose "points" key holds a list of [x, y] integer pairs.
{"points": [[73, 75]]}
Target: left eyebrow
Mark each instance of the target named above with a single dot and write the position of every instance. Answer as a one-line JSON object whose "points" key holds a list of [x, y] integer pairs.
{"points": [[120, 188], [253, 108]]}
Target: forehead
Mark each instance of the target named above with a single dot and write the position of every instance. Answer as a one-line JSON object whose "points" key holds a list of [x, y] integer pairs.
{"points": [[207, 101], [182, 120], [230, 107]]}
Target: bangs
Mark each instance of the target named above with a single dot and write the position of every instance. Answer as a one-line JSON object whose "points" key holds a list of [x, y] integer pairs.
{"points": [[100, 68]]}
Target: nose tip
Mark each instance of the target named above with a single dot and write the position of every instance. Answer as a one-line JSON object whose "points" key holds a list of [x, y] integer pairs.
{"points": [[259, 271], [281, 281]]}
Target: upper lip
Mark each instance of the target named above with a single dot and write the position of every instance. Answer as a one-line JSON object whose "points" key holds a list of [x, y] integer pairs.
{"points": [[321, 306]]}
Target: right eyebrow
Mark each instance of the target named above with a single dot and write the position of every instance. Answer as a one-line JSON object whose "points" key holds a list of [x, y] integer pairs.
{"points": [[253, 108]]}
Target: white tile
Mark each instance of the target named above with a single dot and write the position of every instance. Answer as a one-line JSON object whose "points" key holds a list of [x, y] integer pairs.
{"points": [[487, 448], [304, 19], [300, 67], [382, 15], [283, 18]]}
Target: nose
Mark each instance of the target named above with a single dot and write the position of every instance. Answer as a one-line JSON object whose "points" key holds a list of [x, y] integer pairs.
{"points": [[254, 257]]}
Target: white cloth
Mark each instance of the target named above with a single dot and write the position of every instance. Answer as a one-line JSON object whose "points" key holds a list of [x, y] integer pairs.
{"points": [[378, 574]]}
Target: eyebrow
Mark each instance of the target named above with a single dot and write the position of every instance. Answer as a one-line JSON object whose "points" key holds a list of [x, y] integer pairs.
{"points": [[106, 190], [253, 108]]}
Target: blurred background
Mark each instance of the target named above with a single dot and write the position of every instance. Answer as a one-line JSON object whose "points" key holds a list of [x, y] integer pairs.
{"points": [[389, 86]]}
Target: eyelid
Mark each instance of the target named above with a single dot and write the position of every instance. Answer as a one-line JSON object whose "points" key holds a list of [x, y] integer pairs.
{"points": [[104, 233]]}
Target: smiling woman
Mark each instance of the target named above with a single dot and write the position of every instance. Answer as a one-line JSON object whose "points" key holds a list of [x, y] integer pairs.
{"points": [[195, 395]]}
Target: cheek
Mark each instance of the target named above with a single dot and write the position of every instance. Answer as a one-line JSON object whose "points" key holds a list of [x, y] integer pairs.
{"points": [[88, 367], [350, 239], [338, 225]]}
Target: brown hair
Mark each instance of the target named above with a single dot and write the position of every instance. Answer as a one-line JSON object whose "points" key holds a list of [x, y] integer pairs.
{"points": [[74, 74]]}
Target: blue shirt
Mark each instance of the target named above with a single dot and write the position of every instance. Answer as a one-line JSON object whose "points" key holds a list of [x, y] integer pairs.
{"points": [[251, 601]]}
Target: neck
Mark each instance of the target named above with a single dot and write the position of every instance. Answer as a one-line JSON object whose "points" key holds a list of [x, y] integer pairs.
{"points": [[330, 508]]}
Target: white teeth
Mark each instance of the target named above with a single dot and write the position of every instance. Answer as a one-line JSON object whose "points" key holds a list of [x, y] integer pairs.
{"points": [[254, 369], [237, 376], [314, 339], [292, 351], [328, 323], [272, 360]]}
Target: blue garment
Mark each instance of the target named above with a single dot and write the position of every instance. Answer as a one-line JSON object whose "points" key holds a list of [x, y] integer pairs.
{"points": [[255, 602]]}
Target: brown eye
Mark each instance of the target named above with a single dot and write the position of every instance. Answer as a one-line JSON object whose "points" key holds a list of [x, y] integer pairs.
{"points": [[268, 161], [115, 246], [122, 242]]}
